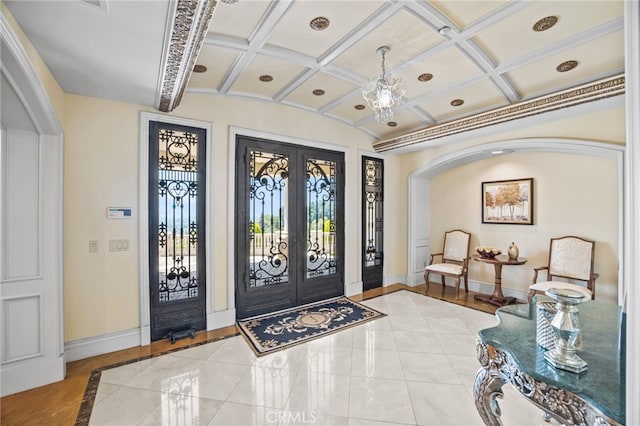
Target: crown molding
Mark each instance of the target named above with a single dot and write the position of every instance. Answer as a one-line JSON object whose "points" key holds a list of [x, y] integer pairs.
{"points": [[589, 92], [190, 25]]}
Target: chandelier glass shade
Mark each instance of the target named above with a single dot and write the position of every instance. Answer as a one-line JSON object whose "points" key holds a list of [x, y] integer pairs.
{"points": [[385, 93]]}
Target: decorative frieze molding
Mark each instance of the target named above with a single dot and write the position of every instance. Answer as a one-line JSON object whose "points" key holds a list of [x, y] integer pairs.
{"points": [[190, 26], [601, 89]]}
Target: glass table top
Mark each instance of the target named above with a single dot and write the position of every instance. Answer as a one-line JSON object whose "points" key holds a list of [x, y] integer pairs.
{"points": [[602, 385]]}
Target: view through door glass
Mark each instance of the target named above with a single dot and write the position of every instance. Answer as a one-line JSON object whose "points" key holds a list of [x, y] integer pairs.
{"points": [[176, 228], [372, 203], [289, 225]]}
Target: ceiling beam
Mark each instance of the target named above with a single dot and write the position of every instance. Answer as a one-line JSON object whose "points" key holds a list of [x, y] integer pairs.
{"points": [[190, 25]]}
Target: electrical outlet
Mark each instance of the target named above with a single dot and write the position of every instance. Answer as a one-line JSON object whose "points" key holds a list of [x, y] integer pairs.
{"points": [[93, 246], [119, 245]]}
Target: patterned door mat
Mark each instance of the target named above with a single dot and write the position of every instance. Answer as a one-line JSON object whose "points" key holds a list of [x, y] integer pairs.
{"points": [[280, 330]]}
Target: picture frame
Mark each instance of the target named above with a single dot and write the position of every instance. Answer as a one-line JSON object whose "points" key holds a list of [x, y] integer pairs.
{"points": [[508, 202]]}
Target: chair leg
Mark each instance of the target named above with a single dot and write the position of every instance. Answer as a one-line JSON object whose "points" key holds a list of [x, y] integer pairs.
{"points": [[457, 288], [442, 280], [426, 280], [466, 283]]}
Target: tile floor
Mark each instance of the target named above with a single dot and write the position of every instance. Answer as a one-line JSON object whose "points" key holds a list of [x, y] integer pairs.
{"points": [[416, 366]]}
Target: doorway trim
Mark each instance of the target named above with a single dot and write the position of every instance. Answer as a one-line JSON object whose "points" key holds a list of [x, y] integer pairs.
{"points": [[419, 180], [143, 219], [231, 196], [48, 364]]}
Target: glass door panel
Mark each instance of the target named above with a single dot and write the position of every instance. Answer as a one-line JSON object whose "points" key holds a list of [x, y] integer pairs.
{"points": [[268, 230], [372, 203], [321, 218]]}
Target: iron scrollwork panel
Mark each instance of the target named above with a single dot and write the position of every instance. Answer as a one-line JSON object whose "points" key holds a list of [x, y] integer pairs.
{"points": [[373, 198], [268, 230], [178, 215], [321, 218]]}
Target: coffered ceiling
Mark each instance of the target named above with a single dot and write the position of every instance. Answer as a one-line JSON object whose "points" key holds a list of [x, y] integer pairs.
{"points": [[456, 58]]}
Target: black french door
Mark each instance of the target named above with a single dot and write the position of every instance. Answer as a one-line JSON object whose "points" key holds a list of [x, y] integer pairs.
{"points": [[289, 230], [372, 223], [177, 181]]}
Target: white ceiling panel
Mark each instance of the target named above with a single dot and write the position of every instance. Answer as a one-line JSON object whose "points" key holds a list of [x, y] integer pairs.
{"points": [[466, 12], [218, 60], [595, 59], [347, 110], [294, 31], [405, 121], [480, 96], [281, 71], [405, 34], [448, 68], [574, 18], [332, 86], [226, 18]]}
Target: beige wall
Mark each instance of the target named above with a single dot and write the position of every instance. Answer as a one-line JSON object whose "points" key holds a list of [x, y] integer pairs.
{"points": [[607, 125], [573, 195], [102, 168]]}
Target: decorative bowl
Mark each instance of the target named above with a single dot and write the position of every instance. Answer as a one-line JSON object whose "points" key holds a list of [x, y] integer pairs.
{"points": [[488, 252]]}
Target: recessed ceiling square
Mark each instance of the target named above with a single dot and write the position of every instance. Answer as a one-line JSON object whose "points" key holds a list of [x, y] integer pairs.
{"points": [[332, 86], [466, 12], [238, 19], [480, 96], [405, 34], [447, 67], [281, 71], [574, 18], [293, 31], [595, 59]]}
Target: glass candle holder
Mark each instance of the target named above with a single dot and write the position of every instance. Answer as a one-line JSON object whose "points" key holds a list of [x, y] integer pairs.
{"points": [[566, 330]]}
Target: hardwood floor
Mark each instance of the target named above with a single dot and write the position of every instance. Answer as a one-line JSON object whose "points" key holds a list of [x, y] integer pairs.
{"points": [[59, 403]]}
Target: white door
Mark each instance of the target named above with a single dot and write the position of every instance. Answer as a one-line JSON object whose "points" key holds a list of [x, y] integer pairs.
{"points": [[31, 329]]}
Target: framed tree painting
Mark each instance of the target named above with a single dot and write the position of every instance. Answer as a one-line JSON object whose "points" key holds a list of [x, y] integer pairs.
{"points": [[508, 202]]}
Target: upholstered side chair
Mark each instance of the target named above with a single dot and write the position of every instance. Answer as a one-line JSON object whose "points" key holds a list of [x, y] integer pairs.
{"points": [[571, 259], [454, 260]]}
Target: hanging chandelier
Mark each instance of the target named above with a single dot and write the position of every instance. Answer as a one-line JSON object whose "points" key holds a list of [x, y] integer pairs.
{"points": [[385, 93]]}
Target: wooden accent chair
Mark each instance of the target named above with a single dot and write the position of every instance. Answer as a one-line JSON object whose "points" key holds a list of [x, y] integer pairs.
{"points": [[455, 260], [570, 258]]}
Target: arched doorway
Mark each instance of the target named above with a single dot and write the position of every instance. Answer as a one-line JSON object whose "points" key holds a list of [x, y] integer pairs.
{"points": [[31, 226], [419, 199]]}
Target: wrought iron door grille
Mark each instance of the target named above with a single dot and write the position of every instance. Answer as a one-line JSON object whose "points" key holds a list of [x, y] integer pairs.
{"points": [[177, 221], [268, 231], [321, 218]]}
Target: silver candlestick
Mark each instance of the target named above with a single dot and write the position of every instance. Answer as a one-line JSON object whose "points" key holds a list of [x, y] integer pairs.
{"points": [[566, 329]]}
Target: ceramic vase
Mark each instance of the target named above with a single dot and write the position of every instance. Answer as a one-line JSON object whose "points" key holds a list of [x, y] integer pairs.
{"points": [[513, 251]]}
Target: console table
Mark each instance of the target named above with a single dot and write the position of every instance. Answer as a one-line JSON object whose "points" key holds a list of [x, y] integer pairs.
{"points": [[497, 298], [508, 353]]}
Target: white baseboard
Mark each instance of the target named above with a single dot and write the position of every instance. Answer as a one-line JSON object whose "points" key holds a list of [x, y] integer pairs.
{"points": [[353, 288], [486, 288], [98, 345], [394, 279], [28, 374], [416, 279], [221, 319], [477, 286], [145, 335]]}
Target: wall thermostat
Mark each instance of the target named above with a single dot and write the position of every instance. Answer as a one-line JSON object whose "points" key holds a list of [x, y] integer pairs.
{"points": [[119, 212]]}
